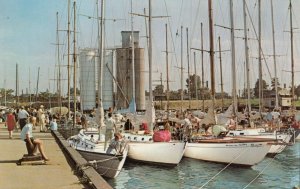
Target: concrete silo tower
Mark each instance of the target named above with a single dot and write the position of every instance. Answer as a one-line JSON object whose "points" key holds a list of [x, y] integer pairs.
{"points": [[124, 72]]}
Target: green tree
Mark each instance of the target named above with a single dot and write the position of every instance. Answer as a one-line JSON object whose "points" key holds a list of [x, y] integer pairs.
{"points": [[297, 91], [72, 91], [158, 90], [273, 84], [256, 88], [192, 80]]}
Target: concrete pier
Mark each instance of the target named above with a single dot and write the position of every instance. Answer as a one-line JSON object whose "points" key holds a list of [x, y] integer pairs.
{"points": [[56, 173]]}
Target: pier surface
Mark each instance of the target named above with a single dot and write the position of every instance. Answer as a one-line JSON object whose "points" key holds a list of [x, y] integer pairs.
{"points": [[56, 173]]}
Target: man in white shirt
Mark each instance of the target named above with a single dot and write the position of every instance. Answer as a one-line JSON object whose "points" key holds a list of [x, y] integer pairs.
{"points": [[32, 143], [22, 117], [42, 119], [110, 128]]}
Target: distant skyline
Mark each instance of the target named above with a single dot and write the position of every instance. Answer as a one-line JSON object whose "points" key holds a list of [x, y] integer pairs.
{"points": [[28, 37]]}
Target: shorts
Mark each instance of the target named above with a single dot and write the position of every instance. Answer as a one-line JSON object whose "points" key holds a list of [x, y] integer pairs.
{"points": [[31, 150]]}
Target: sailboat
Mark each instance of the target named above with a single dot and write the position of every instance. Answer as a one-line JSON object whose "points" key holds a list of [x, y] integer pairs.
{"points": [[88, 142], [282, 137], [230, 150], [141, 146]]}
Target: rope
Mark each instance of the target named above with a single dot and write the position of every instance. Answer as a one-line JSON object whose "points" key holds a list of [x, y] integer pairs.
{"points": [[223, 169], [263, 168], [260, 172]]}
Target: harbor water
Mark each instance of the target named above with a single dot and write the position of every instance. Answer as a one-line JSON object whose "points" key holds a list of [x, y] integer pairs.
{"points": [[280, 172]]}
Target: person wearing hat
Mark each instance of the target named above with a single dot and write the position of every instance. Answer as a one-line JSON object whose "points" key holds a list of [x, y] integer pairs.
{"points": [[42, 119], [10, 122], [22, 117], [116, 145]]}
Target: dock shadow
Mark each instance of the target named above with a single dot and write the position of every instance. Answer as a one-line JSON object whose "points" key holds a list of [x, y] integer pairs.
{"points": [[9, 161]]}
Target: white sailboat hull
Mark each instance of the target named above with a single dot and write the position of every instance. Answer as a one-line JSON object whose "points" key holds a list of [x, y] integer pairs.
{"points": [[276, 148], [246, 153], [107, 165], [169, 153]]}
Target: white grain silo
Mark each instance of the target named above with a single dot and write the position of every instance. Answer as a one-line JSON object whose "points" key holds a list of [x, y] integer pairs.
{"points": [[87, 62]]}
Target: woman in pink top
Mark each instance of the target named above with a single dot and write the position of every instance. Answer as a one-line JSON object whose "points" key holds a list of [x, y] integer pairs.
{"points": [[11, 123]]}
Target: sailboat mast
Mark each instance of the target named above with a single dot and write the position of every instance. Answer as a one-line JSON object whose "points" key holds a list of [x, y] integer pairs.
{"points": [[211, 52], [74, 61], [274, 56], [58, 61], [132, 60], [233, 60], [69, 92], [202, 67], [167, 65], [101, 62], [292, 58], [17, 84], [247, 56], [188, 62], [181, 67], [37, 85], [29, 88], [150, 62], [221, 74], [4, 92], [259, 59], [195, 79]]}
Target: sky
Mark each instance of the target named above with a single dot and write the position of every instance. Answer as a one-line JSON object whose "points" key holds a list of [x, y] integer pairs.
{"points": [[28, 35]]}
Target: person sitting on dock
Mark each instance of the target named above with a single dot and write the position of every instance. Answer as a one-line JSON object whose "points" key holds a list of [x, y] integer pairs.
{"points": [[116, 145], [32, 143], [53, 125]]}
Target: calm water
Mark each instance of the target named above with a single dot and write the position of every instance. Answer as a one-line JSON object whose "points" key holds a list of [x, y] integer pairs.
{"points": [[281, 172]]}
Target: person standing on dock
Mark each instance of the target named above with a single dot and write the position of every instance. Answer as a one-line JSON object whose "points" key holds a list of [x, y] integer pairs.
{"points": [[22, 117], [41, 118], [11, 123]]}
